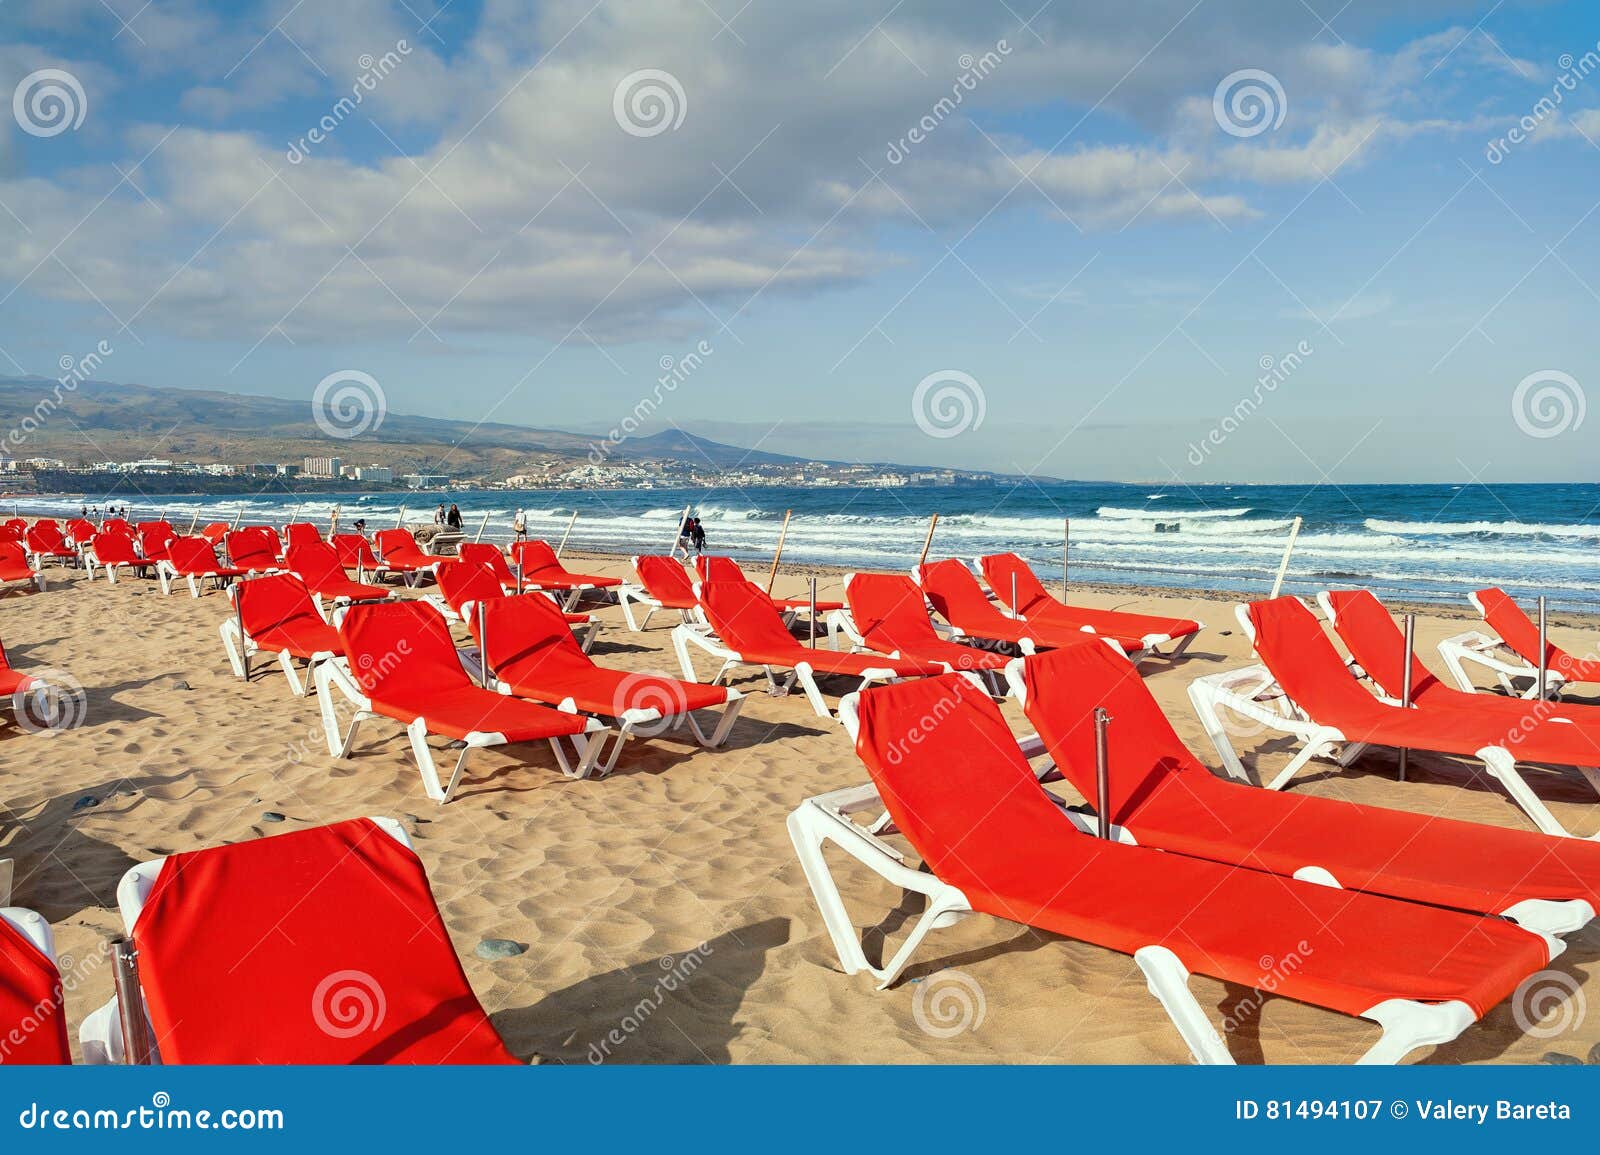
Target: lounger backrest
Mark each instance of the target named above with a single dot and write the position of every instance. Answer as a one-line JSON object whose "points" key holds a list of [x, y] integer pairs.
{"points": [[1290, 640], [1506, 618], [154, 538], [396, 541], [744, 617], [956, 594], [250, 549], [1376, 643], [403, 644], [114, 548], [664, 578], [33, 1017], [276, 601], [46, 537], [301, 533], [1000, 568], [1064, 687], [528, 633], [354, 550], [535, 556], [17, 523], [192, 555], [718, 569], [487, 553], [9, 532], [316, 562], [464, 581], [80, 530], [889, 612], [13, 555], [118, 524], [956, 785], [213, 531], [320, 946]]}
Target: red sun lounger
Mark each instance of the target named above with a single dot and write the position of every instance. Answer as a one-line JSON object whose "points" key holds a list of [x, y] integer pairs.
{"points": [[724, 569], [1141, 635], [195, 560], [401, 664], [750, 632], [1164, 798], [1511, 651], [80, 531], [489, 554], [38, 702], [14, 566], [251, 550], [317, 564], [47, 543], [213, 531], [463, 582], [324, 946], [663, 585], [542, 570], [113, 551], [398, 552], [888, 614], [957, 597], [155, 537], [33, 1015], [275, 614], [1304, 689], [355, 552], [993, 842], [532, 654], [301, 533]]}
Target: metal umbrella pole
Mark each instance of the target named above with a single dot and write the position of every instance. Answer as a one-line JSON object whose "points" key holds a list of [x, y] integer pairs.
{"points": [[811, 628], [1544, 653], [1405, 682], [1102, 773], [136, 1045]]}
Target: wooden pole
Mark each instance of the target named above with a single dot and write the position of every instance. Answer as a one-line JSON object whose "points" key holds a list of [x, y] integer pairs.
{"points": [[933, 524], [1066, 546], [482, 525], [783, 532], [564, 536], [237, 518], [192, 522], [1544, 652], [295, 516], [1283, 567], [1405, 682], [677, 531], [399, 522]]}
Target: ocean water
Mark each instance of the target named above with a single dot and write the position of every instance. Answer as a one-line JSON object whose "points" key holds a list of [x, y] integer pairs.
{"points": [[1425, 542]]}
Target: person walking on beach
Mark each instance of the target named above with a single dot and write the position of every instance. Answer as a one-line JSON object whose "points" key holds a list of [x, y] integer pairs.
{"points": [[697, 534], [519, 524], [438, 515], [453, 518]]}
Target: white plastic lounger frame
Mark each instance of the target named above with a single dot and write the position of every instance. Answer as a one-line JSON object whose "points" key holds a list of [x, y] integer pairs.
{"points": [[241, 647], [166, 573], [37, 576], [1514, 674], [91, 562], [100, 1034], [1151, 643], [1545, 915], [1407, 1024], [586, 633], [1252, 692], [1025, 646], [684, 636], [629, 594], [336, 674]]}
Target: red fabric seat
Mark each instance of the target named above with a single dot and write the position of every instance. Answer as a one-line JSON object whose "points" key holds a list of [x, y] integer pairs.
{"points": [[46, 540], [1520, 632], [1128, 630], [154, 540], [33, 1018], [251, 549], [1305, 664], [968, 803], [112, 548], [402, 657], [532, 651], [665, 579], [354, 551], [323, 946], [11, 680], [959, 599], [278, 613], [400, 551], [724, 569], [1170, 801], [540, 567], [462, 581], [301, 533], [746, 620], [488, 554], [14, 565], [81, 531], [197, 557], [891, 616], [213, 531], [317, 564]]}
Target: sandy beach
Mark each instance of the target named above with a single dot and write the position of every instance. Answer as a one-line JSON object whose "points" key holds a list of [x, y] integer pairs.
{"points": [[663, 904]]}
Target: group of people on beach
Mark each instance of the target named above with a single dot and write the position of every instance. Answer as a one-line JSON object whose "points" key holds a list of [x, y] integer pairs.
{"points": [[93, 512], [692, 534]]}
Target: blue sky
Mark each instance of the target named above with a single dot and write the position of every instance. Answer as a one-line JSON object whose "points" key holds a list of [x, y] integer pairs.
{"points": [[1103, 253]]}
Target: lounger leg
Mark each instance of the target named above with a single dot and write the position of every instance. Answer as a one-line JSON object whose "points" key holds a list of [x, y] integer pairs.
{"points": [[286, 662], [338, 747], [236, 652], [1209, 710], [573, 597], [625, 600], [1408, 1025], [589, 635], [725, 721], [808, 683], [1168, 980], [684, 663], [417, 731], [1503, 768], [1314, 747]]}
